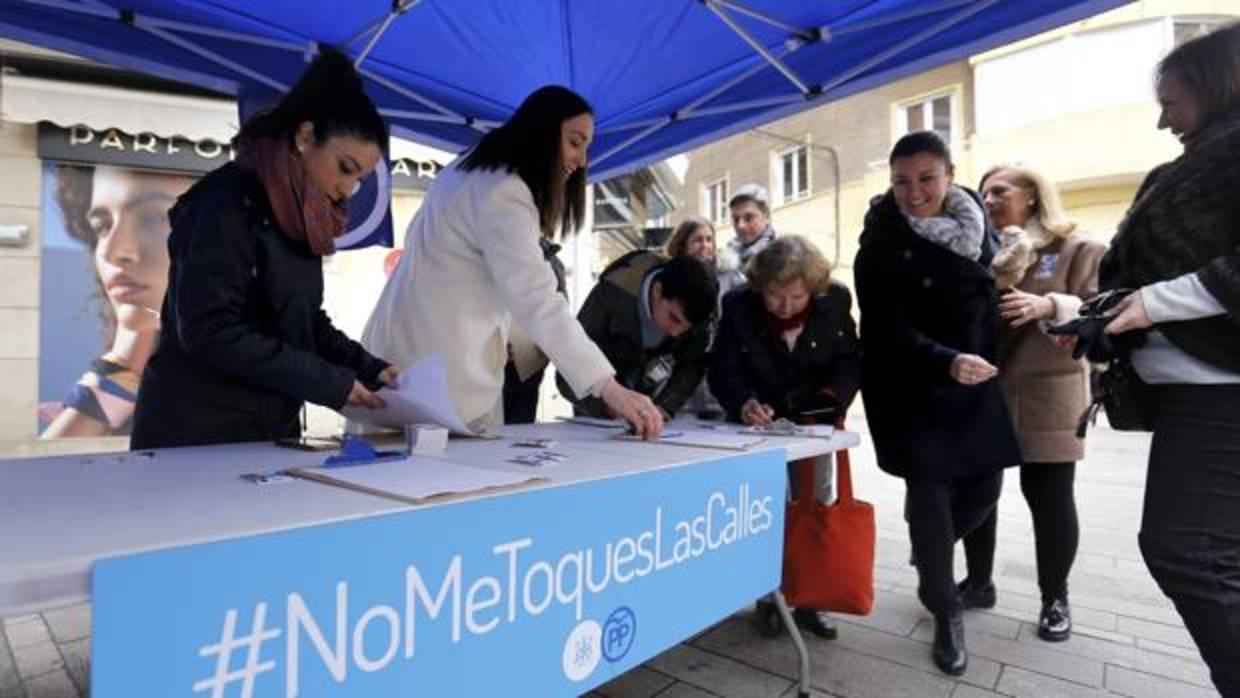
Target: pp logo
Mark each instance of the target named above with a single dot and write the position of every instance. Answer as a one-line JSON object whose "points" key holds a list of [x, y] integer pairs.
{"points": [[581, 650], [619, 633]]}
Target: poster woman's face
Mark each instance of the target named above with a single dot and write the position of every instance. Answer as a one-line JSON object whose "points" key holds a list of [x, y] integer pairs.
{"points": [[129, 215]]}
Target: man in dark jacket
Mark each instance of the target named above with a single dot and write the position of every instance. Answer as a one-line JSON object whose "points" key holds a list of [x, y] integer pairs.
{"points": [[652, 318]]}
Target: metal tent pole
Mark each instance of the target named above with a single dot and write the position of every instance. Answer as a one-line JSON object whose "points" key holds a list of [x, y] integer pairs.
{"points": [[810, 34], [141, 23], [716, 7], [908, 43], [398, 8], [827, 32]]}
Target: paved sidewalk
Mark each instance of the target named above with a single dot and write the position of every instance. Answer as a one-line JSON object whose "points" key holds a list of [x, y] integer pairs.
{"points": [[1128, 640]]}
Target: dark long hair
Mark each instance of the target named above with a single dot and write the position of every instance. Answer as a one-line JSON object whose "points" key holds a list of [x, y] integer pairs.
{"points": [[1209, 66], [75, 185], [328, 94], [529, 145]]}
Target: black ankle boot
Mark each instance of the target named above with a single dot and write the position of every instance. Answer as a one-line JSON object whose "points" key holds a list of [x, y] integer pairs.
{"points": [[817, 622], [976, 595], [950, 655], [1055, 621], [766, 619]]}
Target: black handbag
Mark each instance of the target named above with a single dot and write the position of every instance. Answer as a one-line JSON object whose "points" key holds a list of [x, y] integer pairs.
{"points": [[1121, 393], [1118, 390]]}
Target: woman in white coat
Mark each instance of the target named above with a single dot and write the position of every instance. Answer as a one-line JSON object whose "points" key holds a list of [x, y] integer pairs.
{"points": [[473, 265]]}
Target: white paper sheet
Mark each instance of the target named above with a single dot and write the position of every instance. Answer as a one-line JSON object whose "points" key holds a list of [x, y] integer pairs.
{"points": [[414, 479], [421, 397], [809, 431], [701, 439], [595, 422]]}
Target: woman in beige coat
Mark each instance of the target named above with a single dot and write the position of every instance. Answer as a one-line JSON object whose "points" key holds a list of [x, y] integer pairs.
{"points": [[1044, 268]]}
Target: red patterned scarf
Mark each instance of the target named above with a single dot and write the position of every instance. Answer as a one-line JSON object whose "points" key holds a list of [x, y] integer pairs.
{"points": [[782, 325], [303, 211]]}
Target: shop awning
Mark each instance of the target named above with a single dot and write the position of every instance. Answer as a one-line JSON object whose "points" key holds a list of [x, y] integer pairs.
{"points": [[27, 100]]}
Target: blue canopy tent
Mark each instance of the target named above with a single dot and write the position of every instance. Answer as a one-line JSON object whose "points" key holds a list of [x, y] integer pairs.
{"points": [[663, 75]]}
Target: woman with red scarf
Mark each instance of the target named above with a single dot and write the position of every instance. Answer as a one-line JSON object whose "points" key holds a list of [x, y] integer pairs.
{"points": [[787, 348], [245, 339]]}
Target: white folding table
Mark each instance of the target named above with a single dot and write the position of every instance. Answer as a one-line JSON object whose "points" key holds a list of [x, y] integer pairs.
{"points": [[63, 514]]}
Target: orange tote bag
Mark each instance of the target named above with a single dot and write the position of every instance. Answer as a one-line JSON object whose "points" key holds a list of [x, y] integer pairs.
{"points": [[829, 549]]}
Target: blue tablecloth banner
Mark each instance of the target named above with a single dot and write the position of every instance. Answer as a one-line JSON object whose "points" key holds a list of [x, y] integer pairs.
{"points": [[544, 592]]}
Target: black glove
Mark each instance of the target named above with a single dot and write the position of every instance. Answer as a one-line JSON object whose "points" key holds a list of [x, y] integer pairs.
{"points": [[1096, 313]]}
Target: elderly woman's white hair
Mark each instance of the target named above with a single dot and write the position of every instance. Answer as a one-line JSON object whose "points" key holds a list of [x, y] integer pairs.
{"points": [[1047, 207], [787, 259]]}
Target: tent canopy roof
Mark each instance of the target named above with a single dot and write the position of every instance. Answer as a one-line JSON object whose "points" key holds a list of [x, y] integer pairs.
{"points": [[663, 75]]}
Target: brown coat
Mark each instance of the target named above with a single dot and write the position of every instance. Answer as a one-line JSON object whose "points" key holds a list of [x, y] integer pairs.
{"points": [[1045, 388]]}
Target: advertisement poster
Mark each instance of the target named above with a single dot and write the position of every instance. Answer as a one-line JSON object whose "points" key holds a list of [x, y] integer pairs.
{"points": [[105, 270], [104, 206]]}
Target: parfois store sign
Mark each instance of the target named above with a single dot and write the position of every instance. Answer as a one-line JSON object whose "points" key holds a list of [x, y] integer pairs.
{"points": [[145, 150], [87, 146], [545, 592]]}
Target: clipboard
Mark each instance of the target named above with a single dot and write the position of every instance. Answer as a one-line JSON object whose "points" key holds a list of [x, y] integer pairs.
{"points": [[417, 479]]}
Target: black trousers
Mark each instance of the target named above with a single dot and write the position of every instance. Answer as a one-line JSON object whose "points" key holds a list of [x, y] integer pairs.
{"points": [[939, 514], [520, 397], [1048, 489], [1190, 527]]}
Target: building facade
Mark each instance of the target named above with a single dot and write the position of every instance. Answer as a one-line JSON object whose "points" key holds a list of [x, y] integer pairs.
{"points": [[1077, 103]]}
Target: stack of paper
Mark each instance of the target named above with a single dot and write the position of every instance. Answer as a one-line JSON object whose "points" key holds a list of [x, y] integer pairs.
{"points": [[420, 397], [415, 480], [814, 431]]}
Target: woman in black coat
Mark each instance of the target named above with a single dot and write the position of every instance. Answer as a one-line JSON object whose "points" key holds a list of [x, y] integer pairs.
{"points": [[756, 372], [787, 348], [929, 319], [245, 340], [1179, 247]]}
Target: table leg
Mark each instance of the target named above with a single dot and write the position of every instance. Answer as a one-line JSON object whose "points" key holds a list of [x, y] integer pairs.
{"points": [[795, 633]]}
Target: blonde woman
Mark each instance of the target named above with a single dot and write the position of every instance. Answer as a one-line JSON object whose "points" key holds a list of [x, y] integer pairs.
{"points": [[1053, 269]]}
